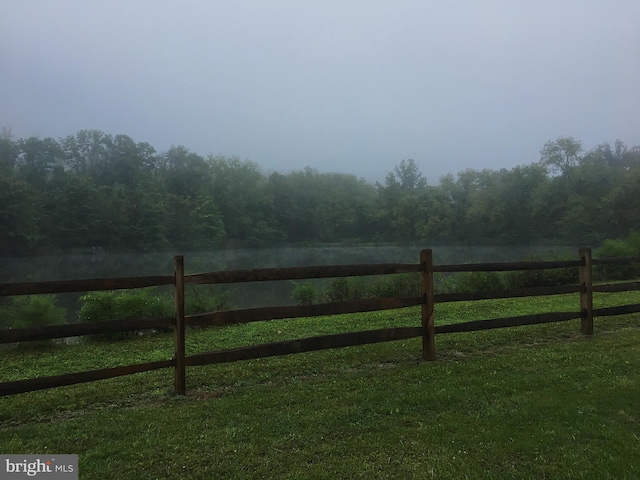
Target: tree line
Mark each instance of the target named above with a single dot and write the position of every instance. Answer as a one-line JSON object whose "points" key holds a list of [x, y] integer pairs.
{"points": [[96, 190]]}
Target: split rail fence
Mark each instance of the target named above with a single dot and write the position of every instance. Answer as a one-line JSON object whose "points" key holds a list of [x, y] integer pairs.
{"points": [[425, 329]]}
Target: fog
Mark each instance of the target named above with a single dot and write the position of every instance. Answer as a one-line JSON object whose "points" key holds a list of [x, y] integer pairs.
{"points": [[100, 264], [350, 87]]}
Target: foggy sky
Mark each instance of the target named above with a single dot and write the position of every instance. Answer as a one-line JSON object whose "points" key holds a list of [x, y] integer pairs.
{"points": [[351, 86]]}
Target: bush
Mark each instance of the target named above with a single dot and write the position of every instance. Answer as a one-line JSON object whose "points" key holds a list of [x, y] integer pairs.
{"points": [[541, 278], [355, 288], [32, 311], [304, 293], [345, 288], [626, 247], [399, 285], [201, 300], [483, 281], [552, 277], [123, 305], [475, 282]]}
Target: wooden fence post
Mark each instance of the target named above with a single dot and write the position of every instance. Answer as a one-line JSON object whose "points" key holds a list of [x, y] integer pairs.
{"points": [[180, 381], [426, 291], [586, 292]]}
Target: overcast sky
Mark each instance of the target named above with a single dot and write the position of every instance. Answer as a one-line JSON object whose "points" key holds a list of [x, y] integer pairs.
{"points": [[351, 86]]}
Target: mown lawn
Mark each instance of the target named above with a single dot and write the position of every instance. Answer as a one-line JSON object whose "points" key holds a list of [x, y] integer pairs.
{"points": [[528, 402]]}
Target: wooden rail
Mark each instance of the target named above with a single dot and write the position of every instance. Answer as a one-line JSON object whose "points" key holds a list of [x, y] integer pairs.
{"points": [[276, 313], [88, 285], [79, 329], [425, 329], [321, 342], [300, 273], [33, 384]]}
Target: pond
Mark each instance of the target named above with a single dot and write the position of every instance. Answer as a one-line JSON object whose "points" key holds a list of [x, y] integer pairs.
{"points": [[99, 264]]}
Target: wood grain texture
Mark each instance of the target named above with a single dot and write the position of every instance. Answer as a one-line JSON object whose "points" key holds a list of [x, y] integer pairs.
{"points": [[78, 329], [508, 322], [309, 344], [231, 317], [33, 384], [299, 273]]}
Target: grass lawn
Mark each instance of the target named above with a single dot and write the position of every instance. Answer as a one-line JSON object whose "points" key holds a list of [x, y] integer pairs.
{"points": [[528, 402]]}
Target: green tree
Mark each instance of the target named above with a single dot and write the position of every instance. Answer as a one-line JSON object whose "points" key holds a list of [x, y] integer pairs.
{"points": [[37, 159], [127, 162], [561, 155], [342, 206], [112, 212], [457, 193], [147, 214], [185, 173], [8, 152], [622, 204], [400, 201], [326, 207], [240, 191], [296, 204], [87, 151], [438, 225], [407, 176], [194, 223], [500, 210], [72, 217], [19, 215]]}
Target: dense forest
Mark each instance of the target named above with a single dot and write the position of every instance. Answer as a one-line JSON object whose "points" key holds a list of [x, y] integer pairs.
{"points": [[101, 191]]}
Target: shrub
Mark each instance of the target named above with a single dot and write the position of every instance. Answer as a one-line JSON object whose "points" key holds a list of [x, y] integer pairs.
{"points": [[123, 305], [479, 281], [444, 282], [304, 293], [626, 247], [32, 311], [399, 285], [541, 278], [356, 288], [476, 281], [345, 288], [200, 300]]}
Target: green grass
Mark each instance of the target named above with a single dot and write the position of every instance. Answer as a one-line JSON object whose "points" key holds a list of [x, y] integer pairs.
{"points": [[528, 402]]}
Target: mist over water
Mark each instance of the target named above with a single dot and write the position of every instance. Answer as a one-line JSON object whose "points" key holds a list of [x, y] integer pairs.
{"points": [[99, 264]]}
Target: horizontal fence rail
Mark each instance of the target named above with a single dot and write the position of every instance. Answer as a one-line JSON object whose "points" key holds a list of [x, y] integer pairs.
{"points": [[616, 260], [520, 321], [33, 384], [506, 266], [619, 310], [299, 273], [79, 329], [617, 287], [322, 342], [88, 285], [276, 313], [510, 293], [427, 330]]}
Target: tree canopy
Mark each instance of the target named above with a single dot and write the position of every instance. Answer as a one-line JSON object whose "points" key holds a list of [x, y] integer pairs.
{"points": [[93, 189]]}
